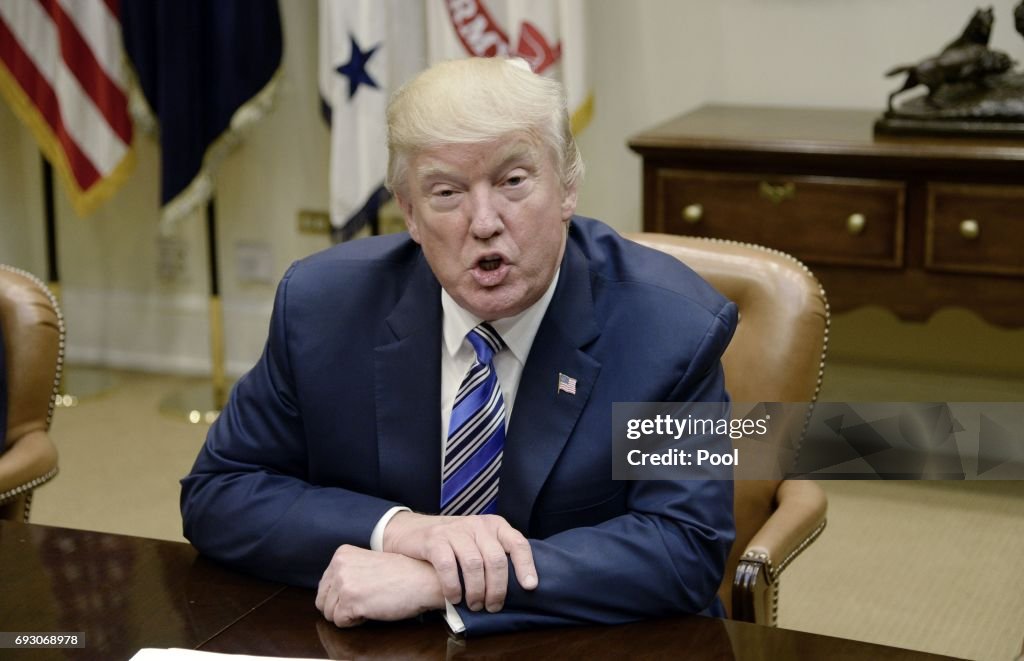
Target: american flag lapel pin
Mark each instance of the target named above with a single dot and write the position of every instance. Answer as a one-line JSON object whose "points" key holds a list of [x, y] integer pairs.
{"points": [[566, 384]]}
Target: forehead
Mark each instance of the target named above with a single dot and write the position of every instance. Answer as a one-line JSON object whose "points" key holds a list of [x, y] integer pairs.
{"points": [[479, 158]]}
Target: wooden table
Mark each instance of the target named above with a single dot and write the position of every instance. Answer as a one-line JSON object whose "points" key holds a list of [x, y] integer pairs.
{"points": [[913, 224], [125, 593]]}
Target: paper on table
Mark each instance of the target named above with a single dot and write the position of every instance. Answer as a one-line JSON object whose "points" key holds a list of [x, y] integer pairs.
{"points": [[175, 654]]}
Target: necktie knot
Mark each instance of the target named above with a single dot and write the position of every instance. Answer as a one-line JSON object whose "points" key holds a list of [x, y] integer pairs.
{"points": [[486, 342]]}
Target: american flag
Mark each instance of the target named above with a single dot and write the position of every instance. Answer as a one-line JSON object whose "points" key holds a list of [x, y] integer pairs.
{"points": [[566, 384], [62, 71]]}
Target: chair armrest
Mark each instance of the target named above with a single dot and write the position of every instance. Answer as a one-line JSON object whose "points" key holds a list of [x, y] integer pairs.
{"points": [[27, 463], [798, 519]]}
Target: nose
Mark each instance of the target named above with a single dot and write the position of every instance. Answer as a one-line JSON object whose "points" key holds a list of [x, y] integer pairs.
{"points": [[486, 220]]}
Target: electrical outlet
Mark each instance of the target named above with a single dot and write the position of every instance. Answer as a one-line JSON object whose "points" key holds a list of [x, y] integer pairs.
{"points": [[314, 222]]}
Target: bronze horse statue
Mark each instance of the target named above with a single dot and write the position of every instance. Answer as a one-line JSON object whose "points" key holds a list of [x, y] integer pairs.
{"points": [[966, 59], [977, 31]]}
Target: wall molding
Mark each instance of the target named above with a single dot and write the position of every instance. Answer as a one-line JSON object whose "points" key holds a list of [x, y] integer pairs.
{"points": [[163, 332]]}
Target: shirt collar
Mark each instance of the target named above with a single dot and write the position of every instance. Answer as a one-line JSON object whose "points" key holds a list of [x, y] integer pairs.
{"points": [[517, 331]]}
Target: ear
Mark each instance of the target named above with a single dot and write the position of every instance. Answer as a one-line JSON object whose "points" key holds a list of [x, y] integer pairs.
{"points": [[569, 202], [410, 221]]}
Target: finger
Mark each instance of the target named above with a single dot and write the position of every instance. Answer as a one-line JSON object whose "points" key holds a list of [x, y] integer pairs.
{"points": [[443, 559], [519, 551], [326, 601], [321, 592], [351, 622], [338, 612], [495, 571], [344, 619], [470, 560]]}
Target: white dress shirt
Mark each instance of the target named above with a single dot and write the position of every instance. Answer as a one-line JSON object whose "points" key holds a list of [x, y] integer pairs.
{"points": [[457, 356]]}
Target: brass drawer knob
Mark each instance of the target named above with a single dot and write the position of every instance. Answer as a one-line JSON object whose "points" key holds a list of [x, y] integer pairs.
{"points": [[777, 193], [692, 213], [969, 229], [856, 223]]}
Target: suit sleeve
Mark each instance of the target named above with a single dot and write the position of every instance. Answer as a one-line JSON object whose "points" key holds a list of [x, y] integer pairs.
{"points": [[666, 555], [247, 501]]}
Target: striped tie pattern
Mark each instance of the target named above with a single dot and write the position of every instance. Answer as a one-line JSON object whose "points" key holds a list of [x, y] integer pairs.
{"points": [[476, 433]]}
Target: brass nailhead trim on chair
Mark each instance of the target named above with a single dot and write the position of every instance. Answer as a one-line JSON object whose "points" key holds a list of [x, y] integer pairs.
{"points": [[772, 572], [828, 319], [799, 549], [28, 487], [805, 269], [60, 325]]}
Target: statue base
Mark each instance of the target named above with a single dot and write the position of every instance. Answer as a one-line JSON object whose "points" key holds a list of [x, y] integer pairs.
{"points": [[993, 108]]}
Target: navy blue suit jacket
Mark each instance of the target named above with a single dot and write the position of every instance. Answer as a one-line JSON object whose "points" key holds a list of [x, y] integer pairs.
{"points": [[340, 420]]}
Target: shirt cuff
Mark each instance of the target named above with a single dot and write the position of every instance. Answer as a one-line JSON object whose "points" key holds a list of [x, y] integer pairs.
{"points": [[377, 536], [452, 617]]}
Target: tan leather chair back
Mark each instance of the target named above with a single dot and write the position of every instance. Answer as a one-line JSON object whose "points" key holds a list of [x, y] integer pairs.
{"points": [[33, 335], [776, 355], [778, 352]]}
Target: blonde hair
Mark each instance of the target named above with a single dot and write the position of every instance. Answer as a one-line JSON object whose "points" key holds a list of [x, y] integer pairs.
{"points": [[477, 100]]}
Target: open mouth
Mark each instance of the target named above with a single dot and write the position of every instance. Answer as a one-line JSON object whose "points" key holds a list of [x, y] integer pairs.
{"points": [[489, 263]]}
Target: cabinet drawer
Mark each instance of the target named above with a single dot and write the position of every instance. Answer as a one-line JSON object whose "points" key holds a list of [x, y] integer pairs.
{"points": [[975, 229], [827, 220]]}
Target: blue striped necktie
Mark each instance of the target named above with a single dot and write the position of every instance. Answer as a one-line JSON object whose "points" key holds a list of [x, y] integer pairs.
{"points": [[476, 433]]}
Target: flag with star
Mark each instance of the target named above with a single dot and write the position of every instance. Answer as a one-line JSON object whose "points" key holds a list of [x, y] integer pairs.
{"points": [[549, 34], [368, 48]]}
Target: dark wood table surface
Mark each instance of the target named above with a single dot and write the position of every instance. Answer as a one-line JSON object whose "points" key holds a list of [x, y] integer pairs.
{"points": [[125, 593]]}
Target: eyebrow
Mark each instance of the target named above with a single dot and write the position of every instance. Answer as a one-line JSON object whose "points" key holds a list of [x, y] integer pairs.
{"points": [[515, 152]]}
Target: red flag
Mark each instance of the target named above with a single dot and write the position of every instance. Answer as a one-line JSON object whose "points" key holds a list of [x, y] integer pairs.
{"points": [[548, 34], [62, 71]]}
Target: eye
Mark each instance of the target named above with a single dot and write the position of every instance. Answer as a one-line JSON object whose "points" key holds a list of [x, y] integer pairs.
{"points": [[443, 192], [444, 198], [515, 180]]}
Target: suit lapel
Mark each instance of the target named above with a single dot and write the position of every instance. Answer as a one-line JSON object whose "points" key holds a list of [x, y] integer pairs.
{"points": [[544, 417], [407, 390]]}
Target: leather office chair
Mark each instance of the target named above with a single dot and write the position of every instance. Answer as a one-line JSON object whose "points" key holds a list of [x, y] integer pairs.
{"points": [[776, 355], [33, 336]]}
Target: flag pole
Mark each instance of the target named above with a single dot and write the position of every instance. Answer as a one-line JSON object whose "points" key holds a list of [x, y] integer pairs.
{"points": [[75, 382], [50, 213], [216, 312]]}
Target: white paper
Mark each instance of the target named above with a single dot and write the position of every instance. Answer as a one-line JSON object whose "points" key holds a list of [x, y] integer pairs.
{"points": [[175, 654]]}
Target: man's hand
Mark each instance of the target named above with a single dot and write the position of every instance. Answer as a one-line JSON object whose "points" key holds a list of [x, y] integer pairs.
{"points": [[477, 544], [361, 585]]}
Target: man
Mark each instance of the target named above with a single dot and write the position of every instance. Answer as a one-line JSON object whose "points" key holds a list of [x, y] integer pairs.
{"points": [[403, 456]]}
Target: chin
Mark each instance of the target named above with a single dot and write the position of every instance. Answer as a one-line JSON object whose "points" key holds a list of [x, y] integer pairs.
{"points": [[505, 300], [490, 310], [490, 313]]}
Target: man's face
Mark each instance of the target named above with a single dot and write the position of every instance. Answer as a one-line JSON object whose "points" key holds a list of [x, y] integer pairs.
{"points": [[491, 219]]}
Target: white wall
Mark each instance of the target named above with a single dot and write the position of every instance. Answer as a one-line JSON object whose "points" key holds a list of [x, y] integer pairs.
{"points": [[651, 60], [655, 59]]}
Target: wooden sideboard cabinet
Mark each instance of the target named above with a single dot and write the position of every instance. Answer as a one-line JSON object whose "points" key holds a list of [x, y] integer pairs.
{"points": [[912, 224]]}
